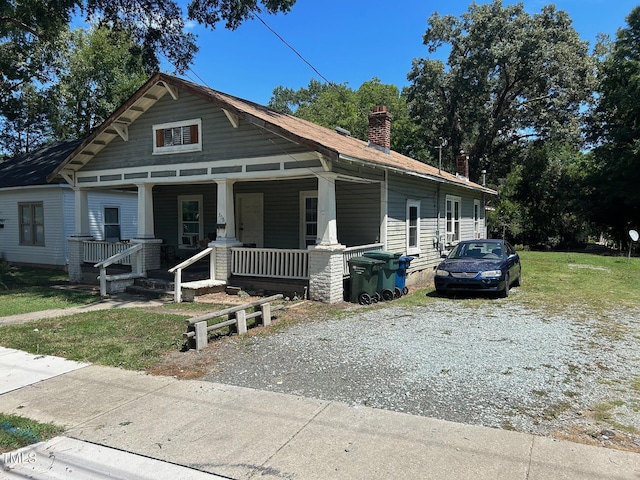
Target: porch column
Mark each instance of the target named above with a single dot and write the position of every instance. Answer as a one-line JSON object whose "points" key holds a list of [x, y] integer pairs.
{"points": [[75, 243], [327, 230], [150, 254], [225, 230], [81, 213], [145, 211]]}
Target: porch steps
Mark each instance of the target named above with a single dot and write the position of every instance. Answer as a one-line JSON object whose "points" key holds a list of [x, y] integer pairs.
{"points": [[190, 290], [152, 288]]}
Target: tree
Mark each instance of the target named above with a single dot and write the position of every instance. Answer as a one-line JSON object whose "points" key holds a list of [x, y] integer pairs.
{"points": [[337, 105], [511, 77], [25, 126], [99, 71], [30, 29], [541, 200], [615, 133]]}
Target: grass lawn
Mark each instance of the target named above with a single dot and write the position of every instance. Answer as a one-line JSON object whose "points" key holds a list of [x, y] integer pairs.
{"points": [[24, 290], [132, 338], [17, 432]]}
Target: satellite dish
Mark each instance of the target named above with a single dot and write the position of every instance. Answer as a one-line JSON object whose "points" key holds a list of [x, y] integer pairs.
{"points": [[634, 235]]}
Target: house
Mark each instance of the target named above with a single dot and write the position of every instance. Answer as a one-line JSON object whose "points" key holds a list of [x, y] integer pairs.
{"points": [[36, 217], [264, 194]]}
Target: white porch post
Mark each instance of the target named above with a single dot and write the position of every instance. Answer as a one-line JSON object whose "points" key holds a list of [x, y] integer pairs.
{"points": [[81, 213], [75, 243], [149, 256], [145, 211], [225, 230], [226, 215], [327, 229]]}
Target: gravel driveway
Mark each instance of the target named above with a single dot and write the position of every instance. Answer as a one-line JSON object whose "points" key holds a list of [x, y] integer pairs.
{"points": [[492, 362]]}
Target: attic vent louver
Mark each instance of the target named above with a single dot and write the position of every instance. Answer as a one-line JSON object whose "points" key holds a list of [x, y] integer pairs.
{"points": [[343, 131]]}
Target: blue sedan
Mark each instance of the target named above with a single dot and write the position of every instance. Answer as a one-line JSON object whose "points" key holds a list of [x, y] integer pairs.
{"points": [[479, 266]]}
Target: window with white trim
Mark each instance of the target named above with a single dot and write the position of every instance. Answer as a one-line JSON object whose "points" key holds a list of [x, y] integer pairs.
{"points": [[190, 221], [31, 219], [177, 137], [476, 219], [453, 218], [308, 218], [111, 224], [413, 227]]}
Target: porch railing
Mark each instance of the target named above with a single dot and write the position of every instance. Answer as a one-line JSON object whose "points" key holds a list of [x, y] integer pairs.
{"points": [[357, 251], [117, 258], [98, 251], [177, 271], [270, 262]]}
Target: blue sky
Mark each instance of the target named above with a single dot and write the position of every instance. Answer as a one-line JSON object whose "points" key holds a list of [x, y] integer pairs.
{"points": [[351, 41]]}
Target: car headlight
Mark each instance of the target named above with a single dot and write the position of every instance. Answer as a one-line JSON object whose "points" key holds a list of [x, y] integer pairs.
{"points": [[491, 274], [442, 273]]}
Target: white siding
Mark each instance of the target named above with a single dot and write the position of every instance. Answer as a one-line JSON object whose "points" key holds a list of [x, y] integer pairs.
{"points": [[127, 202], [53, 251], [58, 203]]}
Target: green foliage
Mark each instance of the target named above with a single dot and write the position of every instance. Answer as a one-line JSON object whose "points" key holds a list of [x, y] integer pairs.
{"points": [[615, 130], [99, 71], [541, 199], [335, 105], [510, 77]]}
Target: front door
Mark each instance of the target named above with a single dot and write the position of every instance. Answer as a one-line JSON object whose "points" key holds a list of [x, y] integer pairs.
{"points": [[250, 221]]}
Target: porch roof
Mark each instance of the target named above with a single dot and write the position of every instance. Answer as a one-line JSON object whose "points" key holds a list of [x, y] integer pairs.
{"points": [[327, 142]]}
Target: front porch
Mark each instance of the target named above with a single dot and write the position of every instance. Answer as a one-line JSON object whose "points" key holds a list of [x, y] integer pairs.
{"points": [[267, 269]]}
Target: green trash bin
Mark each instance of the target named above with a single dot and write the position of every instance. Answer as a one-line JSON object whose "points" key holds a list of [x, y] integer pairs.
{"points": [[387, 277], [364, 279]]}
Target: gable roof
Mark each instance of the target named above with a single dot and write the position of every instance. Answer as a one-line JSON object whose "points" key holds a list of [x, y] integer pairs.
{"points": [[33, 168], [323, 140]]}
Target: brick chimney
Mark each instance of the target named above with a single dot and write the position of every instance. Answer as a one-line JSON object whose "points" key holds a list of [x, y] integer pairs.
{"points": [[462, 165], [380, 129]]}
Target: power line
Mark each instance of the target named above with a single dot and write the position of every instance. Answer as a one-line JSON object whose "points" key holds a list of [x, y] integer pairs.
{"points": [[292, 49]]}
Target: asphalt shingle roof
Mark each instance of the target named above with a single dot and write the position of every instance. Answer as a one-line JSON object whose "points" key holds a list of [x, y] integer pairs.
{"points": [[32, 168]]}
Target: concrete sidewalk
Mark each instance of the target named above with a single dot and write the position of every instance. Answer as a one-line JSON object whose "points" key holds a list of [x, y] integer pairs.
{"points": [[242, 433]]}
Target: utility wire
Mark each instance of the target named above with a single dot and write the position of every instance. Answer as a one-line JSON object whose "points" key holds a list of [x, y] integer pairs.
{"points": [[292, 49]]}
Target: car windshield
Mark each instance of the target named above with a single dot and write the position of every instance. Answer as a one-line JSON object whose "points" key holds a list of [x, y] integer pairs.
{"points": [[477, 250]]}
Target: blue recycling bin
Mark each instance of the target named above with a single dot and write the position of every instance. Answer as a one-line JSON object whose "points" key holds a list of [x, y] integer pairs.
{"points": [[401, 273]]}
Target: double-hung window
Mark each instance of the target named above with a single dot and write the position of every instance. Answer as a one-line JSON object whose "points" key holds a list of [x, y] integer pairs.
{"points": [[112, 224], [31, 216], [453, 218], [413, 227], [177, 137]]}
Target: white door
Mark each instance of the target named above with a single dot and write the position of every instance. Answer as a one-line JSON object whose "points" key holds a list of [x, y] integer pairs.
{"points": [[250, 221]]}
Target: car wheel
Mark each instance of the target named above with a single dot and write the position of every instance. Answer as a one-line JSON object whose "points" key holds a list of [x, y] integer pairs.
{"points": [[505, 292], [518, 281]]}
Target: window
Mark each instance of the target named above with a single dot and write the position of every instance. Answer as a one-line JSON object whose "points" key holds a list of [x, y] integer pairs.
{"points": [[177, 137], [308, 218], [476, 219], [31, 217], [112, 224], [413, 227], [190, 227], [453, 219]]}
